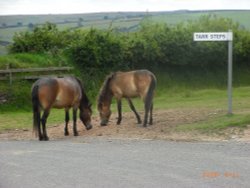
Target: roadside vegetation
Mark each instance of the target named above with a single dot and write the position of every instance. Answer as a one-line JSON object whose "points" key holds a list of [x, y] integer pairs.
{"points": [[190, 74]]}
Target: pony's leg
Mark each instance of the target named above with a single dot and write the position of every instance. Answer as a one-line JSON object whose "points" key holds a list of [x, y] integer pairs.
{"points": [[66, 131], [44, 120], [133, 109], [151, 115], [119, 107], [147, 107], [74, 122], [40, 135]]}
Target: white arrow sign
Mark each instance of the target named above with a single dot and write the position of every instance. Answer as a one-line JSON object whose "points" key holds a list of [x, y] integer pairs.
{"points": [[217, 36]]}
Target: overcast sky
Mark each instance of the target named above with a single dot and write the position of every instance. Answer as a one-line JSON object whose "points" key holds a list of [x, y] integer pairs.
{"points": [[88, 6]]}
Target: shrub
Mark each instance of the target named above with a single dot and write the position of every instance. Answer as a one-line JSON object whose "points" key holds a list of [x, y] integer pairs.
{"points": [[42, 39], [97, 50]]}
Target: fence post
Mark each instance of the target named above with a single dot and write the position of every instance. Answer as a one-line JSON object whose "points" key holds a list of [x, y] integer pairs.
{"points": [[10, 73]]}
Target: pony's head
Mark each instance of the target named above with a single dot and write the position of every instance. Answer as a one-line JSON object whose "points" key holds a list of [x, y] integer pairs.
{"points": [[85, 108], [85, 116], [104, 100], [104, 112]]}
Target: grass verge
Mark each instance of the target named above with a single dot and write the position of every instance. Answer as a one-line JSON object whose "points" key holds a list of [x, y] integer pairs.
{"points": [[212, 99], [217, 123], [23, 120]]}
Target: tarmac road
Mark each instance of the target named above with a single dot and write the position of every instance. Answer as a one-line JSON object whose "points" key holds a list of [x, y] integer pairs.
{"points": [[102, 162]]}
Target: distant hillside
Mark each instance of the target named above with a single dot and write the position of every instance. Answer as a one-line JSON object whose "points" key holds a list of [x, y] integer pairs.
{"points": [[240, 16], [121, 21]]}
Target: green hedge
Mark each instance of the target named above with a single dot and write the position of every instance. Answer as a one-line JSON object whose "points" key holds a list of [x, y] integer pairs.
{"points": [[154, 45]]}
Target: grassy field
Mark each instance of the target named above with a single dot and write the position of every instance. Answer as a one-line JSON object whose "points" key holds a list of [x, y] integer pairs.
{"points": [[210, 99], [189, 89], [23, 120]]}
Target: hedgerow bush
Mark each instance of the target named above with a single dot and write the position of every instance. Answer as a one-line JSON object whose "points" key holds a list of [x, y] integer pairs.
{"points": [[153, 46]]}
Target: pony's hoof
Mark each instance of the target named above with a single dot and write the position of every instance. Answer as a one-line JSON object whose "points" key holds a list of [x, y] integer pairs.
{"points": [[45, 138], [66, 134], [76, 134], [139, 120]]}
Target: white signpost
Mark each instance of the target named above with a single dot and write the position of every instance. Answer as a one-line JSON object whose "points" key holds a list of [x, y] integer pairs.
{"points": [[222, 36]]}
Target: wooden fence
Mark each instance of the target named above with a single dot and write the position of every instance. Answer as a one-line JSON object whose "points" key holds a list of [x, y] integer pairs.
{"points": [[33, 73]]}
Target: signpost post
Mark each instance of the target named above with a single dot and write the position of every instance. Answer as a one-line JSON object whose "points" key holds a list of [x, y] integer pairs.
{"points": [[222, 36]]}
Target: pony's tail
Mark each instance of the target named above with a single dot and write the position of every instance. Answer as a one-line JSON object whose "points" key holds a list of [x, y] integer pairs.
{"points": [[150, 93], [36, 110]]}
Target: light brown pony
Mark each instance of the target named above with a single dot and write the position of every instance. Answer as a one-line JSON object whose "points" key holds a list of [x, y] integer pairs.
{"points": [[64, 93], [139, 83]]}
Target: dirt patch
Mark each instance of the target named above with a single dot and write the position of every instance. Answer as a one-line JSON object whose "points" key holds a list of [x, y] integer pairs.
{"points": [[165, 122]]}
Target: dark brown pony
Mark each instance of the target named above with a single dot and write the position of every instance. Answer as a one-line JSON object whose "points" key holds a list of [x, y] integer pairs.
{"points": [[64, 93], [139, 83]]}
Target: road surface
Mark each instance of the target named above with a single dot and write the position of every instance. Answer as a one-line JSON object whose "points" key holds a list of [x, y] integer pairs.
{"points": [[103, 162]]}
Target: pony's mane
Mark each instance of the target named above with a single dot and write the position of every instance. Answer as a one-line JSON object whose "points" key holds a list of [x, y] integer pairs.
{"points": [[84, 100], [104, 91]]}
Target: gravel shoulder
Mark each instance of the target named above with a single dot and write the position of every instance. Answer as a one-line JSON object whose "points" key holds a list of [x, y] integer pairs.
{"points": [[165, 122]]}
